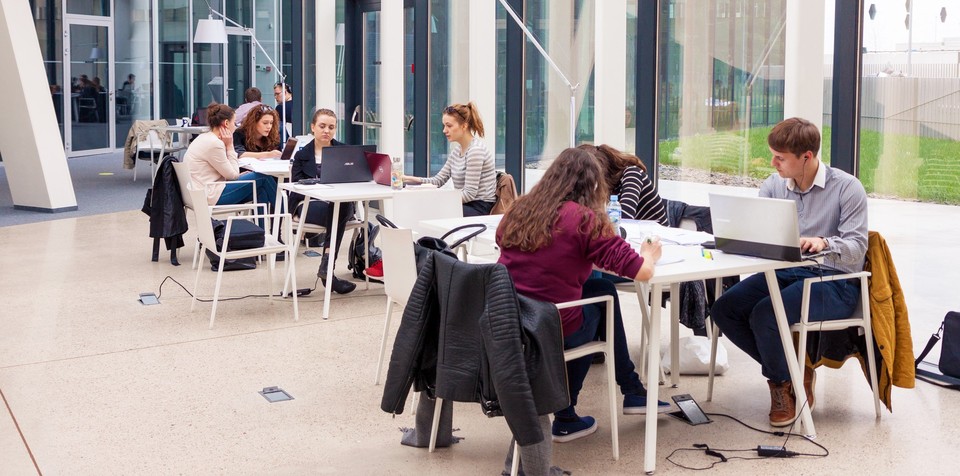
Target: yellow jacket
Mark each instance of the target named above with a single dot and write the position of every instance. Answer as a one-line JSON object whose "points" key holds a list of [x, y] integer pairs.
{"points": [[891, 325]]}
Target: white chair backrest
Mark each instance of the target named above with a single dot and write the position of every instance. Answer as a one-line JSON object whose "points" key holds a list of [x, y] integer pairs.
{"points": [[202, 212], [409, 207], [399, 263], [182, 171]]}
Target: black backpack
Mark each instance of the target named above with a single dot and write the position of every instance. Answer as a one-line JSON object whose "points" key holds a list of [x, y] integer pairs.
{"points": [[355, 255]]}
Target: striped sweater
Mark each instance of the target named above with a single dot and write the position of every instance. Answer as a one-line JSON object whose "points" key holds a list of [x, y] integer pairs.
{"points": [[473, 173], [639, 198]]}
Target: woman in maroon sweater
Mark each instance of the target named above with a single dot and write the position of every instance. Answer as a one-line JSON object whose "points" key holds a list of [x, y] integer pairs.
{"points": [[550, 240]]}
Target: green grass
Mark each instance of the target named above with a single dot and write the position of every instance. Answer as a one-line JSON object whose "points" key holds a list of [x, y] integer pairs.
{"points": [[907, 167]]}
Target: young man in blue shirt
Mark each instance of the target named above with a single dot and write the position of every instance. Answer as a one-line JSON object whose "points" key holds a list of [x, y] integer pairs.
{"points": [[832, 212]]}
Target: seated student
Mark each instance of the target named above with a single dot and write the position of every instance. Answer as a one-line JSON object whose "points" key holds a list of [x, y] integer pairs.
{"points": [[470, 164], [251, 100], [832, 207], [549, 241], [211, 157], [259, 135], [306, 164], [626, 177]]}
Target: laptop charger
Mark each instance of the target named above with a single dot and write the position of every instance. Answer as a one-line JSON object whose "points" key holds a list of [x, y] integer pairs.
{"points": [[774, 452]]}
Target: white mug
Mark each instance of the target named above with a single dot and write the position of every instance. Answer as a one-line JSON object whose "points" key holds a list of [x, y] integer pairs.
{"points": [[184, 121]]}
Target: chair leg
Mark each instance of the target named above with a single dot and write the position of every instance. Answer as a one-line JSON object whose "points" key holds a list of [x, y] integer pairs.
{"points": [[196, 255], [802, 364], [435, 424], [612, 396], [872, 363], [216, 291], [714, 336], [515, 465], [383, 340], [196, 282]]}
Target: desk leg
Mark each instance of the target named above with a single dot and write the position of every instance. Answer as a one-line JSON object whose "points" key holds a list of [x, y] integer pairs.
{"points": [[796, 377], [277, 208], [366, 249], [295, 246], [675, 335], [331, 248], [653, 390]]}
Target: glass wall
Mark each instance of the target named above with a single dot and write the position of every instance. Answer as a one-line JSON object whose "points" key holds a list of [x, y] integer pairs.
{"points": [[133, 64], [207, 64], [449, 70], [173, 55], [565, 29], [721, 88], [47, 17], [910, 98]]}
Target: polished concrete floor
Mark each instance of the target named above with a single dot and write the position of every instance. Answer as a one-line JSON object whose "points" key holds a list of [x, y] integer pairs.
{"points": [[95, 383]]}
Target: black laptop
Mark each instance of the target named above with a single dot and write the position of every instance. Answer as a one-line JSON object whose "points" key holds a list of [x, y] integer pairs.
{"points": [[346, 164]]}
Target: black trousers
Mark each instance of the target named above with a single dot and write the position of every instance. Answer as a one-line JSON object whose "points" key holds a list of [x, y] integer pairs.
{"points": [[321, 213], [477, 208]]}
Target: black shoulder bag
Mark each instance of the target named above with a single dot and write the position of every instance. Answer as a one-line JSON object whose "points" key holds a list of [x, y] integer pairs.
{"points": [[949, 366], [430, 243]]}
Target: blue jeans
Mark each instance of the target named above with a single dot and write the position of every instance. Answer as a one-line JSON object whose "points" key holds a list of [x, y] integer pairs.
{"points": [[593, 328], [234, 193], [745, 313]]}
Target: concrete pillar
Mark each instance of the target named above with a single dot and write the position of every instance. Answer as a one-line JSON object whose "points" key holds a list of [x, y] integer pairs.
{"points": [[803, 71], [328, 61], [391, 79], [30, 140], [483, 66], [610, 73]]}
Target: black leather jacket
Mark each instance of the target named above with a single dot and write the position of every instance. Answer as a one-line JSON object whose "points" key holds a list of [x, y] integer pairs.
{"points": [[165, 206], [467, 336]]}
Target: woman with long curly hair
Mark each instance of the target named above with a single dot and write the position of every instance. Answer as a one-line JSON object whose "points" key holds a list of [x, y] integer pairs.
{"points": [[626, 177], [550, 240], [258, 137]]}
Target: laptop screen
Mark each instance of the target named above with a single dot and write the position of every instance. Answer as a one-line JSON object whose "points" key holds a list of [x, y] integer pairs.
{"points": [[756, 226], [346, 164]]}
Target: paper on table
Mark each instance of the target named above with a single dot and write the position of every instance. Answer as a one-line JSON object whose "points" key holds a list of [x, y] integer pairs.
{"points": [[671, 254]]}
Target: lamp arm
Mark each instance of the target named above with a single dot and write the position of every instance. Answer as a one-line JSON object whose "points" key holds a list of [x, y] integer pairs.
{"points": [[253, 37], [536, 43]]}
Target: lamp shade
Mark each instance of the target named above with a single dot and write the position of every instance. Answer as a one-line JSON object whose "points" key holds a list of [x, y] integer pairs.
{"points": [[210, 30], [96, 53]]}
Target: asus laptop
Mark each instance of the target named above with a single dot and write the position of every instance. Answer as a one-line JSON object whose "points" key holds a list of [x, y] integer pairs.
{"points": [[346, 164]]}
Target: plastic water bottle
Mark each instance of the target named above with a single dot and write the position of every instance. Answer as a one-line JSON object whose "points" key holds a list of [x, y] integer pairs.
{"points": [[615, 212], [396, 174]]}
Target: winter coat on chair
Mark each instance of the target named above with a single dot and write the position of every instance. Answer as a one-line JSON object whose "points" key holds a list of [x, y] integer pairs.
{"points": [[467, 336], [164, 205]]}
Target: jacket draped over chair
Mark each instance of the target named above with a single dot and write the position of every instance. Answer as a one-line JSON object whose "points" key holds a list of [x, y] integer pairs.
{"points": [[467, 336]]}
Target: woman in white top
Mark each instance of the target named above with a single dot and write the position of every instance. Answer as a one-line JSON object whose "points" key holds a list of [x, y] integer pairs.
{"points": [[470, 164]]}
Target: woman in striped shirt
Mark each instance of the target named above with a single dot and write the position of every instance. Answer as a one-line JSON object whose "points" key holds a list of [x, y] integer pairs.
{"points": [[470, 164], [626, 177]]}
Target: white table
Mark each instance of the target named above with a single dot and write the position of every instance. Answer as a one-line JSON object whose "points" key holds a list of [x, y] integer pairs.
{"points": [[337, 194], [693, 267]]}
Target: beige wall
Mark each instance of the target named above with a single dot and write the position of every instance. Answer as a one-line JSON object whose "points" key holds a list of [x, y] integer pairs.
{"points": [[30, 141]]}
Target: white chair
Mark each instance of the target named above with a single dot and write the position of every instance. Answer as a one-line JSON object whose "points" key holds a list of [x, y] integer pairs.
{"points": [[399, 276], [860, 318], [272, 246], [157, 144], [182, 171], [410, 206], [595, 347]]}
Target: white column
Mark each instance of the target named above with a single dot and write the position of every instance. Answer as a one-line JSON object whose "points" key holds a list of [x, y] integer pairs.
{"points": [[803, 69], [610, 73], [325, 37], [32, 148], [483, 65], [391, 78]]}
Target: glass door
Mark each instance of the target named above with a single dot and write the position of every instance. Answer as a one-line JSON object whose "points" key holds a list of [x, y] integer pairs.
{"points": [[89, 110], [369, 114]]}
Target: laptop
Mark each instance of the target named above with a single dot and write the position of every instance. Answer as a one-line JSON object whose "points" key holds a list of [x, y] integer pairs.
{"points": [[379, 167], [346, 164], [756, 226], [288, 149]]}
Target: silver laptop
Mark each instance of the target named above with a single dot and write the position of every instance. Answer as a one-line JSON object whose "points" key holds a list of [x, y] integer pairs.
{"points": [[755, 226]]}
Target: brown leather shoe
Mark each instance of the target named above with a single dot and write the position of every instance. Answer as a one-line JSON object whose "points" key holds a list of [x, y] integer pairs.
{"points": [[783, 405], [809, 382]]}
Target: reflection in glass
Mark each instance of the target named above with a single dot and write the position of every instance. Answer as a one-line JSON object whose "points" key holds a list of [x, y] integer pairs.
{"points": [[89, 89], [133, 59], [910, 127], [50, 36], [370, 109], [449, 70], [721, 87], [89, 7], [173, 55]]}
